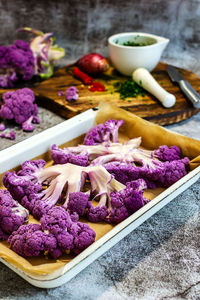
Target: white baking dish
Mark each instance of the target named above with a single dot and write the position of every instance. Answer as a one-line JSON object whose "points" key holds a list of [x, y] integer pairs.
{"points": [[59, 134]]}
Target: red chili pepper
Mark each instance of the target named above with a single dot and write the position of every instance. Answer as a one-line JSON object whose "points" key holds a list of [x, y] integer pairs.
{"points": [[82, 76], [97, 87]]}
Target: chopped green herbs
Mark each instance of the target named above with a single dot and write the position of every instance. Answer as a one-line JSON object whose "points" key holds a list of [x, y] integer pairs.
{"points": [[128, 89]]}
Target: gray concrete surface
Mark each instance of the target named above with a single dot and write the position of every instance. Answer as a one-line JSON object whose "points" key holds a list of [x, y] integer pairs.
{"points": [[161, 258]]}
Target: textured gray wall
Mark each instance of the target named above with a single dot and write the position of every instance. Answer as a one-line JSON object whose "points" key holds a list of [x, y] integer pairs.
{"points": [[84, 26]]}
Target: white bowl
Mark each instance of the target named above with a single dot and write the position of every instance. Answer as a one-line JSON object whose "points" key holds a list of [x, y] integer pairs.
{"points": [[128, 58]]}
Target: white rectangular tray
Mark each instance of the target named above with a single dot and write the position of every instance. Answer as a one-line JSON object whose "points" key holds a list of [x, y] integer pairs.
{"points": [[59, 134]]}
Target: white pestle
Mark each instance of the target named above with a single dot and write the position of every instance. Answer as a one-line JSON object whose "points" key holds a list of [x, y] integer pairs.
{"points": [[143, 78]]}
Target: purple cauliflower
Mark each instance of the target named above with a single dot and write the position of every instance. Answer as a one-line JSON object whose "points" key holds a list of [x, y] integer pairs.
{"points": [[78, 202], [130, 153], [102, 184], [82, 155], [83, 235], [165, 153], [28, 125], [71, 94], [174, 170], [63, 156], [123, 172], [155, 173], [74, 236], [16, 62], [12, 214], [8, 135], [127, 201], [25, 182], [57, 234], [65, 184], [46, 53], [56, 218], [57, 222], [60, 93], [161, 167], [29, 240], [27, 185], [117, 202], [161, 173], [19, 106], [101, 133]]}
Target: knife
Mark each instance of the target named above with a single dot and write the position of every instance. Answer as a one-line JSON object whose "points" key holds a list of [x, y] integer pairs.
{"points": [[184, 85]]}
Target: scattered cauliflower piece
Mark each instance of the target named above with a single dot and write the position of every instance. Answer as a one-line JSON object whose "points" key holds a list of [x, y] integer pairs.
{"points": [[19, 106]]}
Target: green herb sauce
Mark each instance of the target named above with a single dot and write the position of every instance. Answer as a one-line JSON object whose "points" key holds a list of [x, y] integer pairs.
{"points": [[135, 44], [137, 41]]}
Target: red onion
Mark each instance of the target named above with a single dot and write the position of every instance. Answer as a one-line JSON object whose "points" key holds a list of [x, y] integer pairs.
{"points": [[93, 63]]}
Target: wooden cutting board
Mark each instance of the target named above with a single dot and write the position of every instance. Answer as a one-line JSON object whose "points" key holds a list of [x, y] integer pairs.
{"points": [[144, 106]]}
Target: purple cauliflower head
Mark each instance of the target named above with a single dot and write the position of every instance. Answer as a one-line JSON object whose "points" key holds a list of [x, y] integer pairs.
{"points": [[83, 235], [70, 235], [29, 240], [19, 106], [161, 167], [165, 153], [12, 214], [78, 202], [37, 206], [21, 186], [56, 217], [57, 234], [174, 170], [63, 156], [65, 240], [98, 213], [127, 201], [101, 133], [25, 185], [123, 172], [52, 246], [16, 62]]}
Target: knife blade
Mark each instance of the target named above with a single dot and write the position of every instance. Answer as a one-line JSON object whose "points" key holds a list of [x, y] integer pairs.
{"points": [[184, 85]]}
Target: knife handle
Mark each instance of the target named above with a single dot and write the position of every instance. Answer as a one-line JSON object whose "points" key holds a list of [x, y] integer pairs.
{"points": [[143, 78], [190, 93]]}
